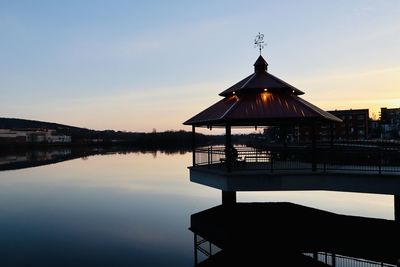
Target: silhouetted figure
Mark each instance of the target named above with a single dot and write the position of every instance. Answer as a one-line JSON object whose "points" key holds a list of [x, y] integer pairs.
{"points": [[234, 153]]}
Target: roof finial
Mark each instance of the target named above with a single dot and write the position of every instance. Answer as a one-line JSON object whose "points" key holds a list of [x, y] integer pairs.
{"points": [[259, 41]]}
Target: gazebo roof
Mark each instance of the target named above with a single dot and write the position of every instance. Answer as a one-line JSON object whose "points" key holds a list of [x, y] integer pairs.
{"points": [[261, 99], [261, 79]]}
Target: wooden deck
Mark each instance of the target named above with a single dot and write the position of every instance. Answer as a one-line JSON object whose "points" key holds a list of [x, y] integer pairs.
{"points": [[245, 167], [258, 177]]}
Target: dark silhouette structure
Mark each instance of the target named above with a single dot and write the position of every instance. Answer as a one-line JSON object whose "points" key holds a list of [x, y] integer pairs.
{"points": [[390, 123], [354, 124], [262, 99], [284, 234]]}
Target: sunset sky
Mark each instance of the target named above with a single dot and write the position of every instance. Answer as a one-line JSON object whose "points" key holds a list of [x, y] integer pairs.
{"points": [[139, 65]]}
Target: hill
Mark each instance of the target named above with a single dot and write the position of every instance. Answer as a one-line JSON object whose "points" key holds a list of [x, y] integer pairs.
{"points": [[13, 123], [166, 139]]}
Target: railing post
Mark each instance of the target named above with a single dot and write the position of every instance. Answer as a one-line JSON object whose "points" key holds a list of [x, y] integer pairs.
{"points": [[380, 161], [208, 157], [211, 154], [331, 134], [228, 144], [313, 148], [193, 145], [195, 249], [272, 161]]}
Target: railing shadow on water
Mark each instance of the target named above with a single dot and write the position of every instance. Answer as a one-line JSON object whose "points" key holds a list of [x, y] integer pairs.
{"points": [[377, 161]]}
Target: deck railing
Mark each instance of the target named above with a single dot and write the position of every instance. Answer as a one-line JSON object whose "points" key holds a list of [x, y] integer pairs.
{"points": [[305, 159], [337, 260]]}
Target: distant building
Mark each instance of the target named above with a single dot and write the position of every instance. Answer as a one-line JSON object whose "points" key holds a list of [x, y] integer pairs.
{"points": [[374, 129], [354, 125], [34, 156], [390, 123], [53, 137], [10, 136], [32, 136]]}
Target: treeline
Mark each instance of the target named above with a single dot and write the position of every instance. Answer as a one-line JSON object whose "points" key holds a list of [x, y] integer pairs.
{"points": [[81, 136], [170, 139], [167, 139]]}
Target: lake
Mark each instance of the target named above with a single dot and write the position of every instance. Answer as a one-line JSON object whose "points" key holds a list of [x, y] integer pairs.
{"points": [[126, 209]]}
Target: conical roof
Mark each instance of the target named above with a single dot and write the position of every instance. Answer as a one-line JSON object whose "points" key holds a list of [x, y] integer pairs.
{"points": [[261, 80], [261, 99]]}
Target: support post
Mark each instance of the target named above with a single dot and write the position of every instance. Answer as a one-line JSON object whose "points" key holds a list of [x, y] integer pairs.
{"points": [[397, 216], [228, 144], [193, 145], [397, 208], [228, 198], [313, 147], [195, 250]]}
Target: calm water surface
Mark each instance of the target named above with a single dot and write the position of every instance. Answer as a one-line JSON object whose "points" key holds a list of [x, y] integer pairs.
{"points": [[125, 210]]}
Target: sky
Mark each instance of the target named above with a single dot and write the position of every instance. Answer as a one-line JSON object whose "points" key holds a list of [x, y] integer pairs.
{"points": [[144, 65]]}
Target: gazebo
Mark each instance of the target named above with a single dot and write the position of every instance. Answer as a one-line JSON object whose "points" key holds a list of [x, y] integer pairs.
{"points": [[260, 99]]}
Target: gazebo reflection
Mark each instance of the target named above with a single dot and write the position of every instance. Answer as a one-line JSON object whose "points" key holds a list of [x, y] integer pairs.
{"points": [[285, 234]]}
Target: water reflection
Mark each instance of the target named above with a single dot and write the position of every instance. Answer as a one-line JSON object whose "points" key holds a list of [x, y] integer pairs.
{"points": [[20, 159], [114, 209], [119, 208], [285, 234]]}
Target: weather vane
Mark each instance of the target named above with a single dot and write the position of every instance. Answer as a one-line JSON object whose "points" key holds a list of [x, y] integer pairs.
{"points": [[259, 41]]}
